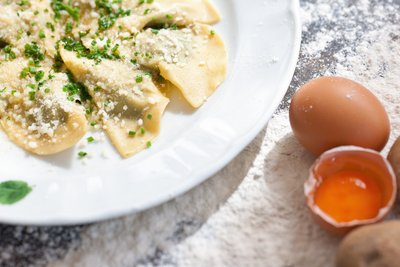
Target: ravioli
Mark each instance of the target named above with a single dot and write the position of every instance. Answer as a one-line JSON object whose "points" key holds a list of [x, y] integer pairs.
{"points": [[178, 12], [40, 121], [130, 104], [192, 59], [67, 66]]}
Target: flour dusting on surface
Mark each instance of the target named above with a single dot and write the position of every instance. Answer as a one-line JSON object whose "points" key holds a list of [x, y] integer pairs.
{"points": [[253, 212]]}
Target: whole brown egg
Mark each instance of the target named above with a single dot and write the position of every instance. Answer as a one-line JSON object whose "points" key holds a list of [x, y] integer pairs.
{"points": [[332, 111]]}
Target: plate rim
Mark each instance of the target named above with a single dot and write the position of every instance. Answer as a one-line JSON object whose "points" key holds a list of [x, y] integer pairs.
{"points": [[199, 177]]}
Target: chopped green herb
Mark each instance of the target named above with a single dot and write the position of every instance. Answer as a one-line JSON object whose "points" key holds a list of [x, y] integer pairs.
{"points": [[9, 54], [139, 78], [132, 133], [50, 26], [42, 35], [39, 75], [82, 154], [32, 70], [148, 144], [19, 34], [115, 48], [75, 90], [58, 6], [90, 139], [68, 27], [24, 3], [95, 53], [32, 50], [83, 33], [149, 116], [32, 95], [142, 130], [108, 16]]}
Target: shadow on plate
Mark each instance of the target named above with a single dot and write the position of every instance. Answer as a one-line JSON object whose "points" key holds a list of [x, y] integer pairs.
{"points": [[63, 159]]}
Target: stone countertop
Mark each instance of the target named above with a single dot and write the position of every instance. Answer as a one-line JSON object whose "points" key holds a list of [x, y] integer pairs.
{"points": [[239, 216]]}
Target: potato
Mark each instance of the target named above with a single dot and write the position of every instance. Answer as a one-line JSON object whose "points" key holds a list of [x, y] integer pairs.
{"points": [[394, 159], [375, 245]]}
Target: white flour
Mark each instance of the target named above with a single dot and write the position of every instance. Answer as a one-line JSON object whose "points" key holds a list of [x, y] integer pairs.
{"points": [[264, 222]]}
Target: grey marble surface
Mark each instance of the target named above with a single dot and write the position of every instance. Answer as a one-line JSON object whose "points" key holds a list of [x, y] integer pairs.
{"points": [[41, 246]]}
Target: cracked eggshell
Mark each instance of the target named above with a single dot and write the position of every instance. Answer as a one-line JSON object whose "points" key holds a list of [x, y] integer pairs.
{"points": [[353, 158], [394, 159]]}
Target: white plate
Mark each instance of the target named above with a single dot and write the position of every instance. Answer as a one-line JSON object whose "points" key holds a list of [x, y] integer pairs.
{"points": [[263, 39]]}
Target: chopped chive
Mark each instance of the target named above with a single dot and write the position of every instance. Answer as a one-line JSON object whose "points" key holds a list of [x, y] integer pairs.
{"points": [[149, 116], [32, 95], [142, 130], [139, 78], [148, 144], [131, 133], [82, 154], [42, 35], [39, 75], [90, 139]]}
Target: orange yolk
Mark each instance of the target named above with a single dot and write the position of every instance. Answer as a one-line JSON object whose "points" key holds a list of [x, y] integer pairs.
{"points": [[349, 195]]}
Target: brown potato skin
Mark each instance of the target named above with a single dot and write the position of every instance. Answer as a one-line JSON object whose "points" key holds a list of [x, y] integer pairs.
{"points": [[375, 245], [394, 159]]}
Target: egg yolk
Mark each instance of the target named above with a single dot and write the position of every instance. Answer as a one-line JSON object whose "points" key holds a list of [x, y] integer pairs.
{"points": [[349, 195]]}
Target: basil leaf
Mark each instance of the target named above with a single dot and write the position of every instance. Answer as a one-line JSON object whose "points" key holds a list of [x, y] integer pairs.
{"points": [[13, 191]]}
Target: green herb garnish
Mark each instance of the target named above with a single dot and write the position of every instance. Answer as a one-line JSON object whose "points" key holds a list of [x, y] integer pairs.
{"points": [[32, 50], [139, 78], [82, 154], [58, 6], [9, 54], [13, 191]]}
